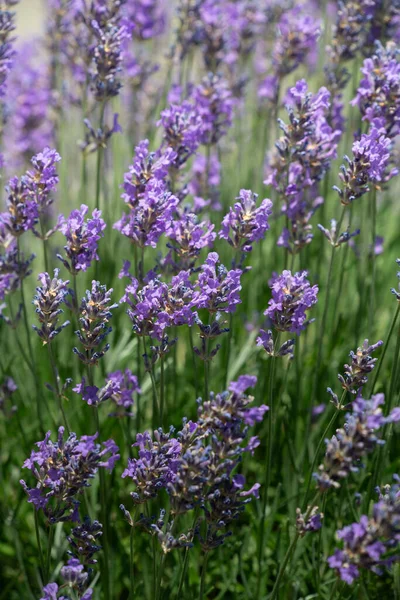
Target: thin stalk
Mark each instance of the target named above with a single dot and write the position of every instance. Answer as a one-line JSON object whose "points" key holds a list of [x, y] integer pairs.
{"points": [[373, 259], [49, 548], [139, 374], [57, 387], [100, 152], [43, 236], [131, 570], [325, 312], [267, 479], [39, 543], [155, 408], [203, 575], [162, 390], [104, 513], [196, 387], [228, 358], [316, 453], [183, 574], [388, 338], [289, 553]]}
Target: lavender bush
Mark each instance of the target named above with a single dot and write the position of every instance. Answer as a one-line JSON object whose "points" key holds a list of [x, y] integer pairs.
{"points": [[198, 223]]}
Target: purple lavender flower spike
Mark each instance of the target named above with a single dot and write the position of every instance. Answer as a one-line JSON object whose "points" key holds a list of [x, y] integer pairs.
{"points": [[47, 301], [368, 542], [50, 592], [43, 179], [95, 313], [80, 458], [245, 223], [292, 296], [82, 239], [183, 127], [218, 288], [356, 374], [214, 103], [311, 521], [359, 438], [188, 237], [126, 386], [147, 18], [7, 26]]}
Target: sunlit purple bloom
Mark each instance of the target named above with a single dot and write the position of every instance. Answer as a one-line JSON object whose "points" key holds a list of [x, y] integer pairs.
{"points": [[47, 301], [183, 126], [246, 223], [80, 458], [82, 238], [214, 103], [126, 385], [147, 18], [292, 296], [218, 288], [188, 237]]}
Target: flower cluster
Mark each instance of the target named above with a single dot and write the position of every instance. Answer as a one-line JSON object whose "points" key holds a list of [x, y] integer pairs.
{"points": [[196, 473], [370, 543], [63, 469], [219, 289], [378, 95], [82, 239], [292, 296], [95, 313], [311, 521], [302, 157], [356, 374], [187, 236], [371, 154], [83, 541], [247, 222], [214, 104], [47, 302], [359, 437]]}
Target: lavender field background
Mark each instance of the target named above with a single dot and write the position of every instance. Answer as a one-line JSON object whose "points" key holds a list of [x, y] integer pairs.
{"points": [[199, 299]]}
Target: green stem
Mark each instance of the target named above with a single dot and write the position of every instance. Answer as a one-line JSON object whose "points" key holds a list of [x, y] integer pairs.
{"points": [[49, 548], [46, 260], [388, 338], [57, 387], [373, 260], [196, 387], [183, 574], [162, 390], [203, 576], [131, 570], [267, 478], [104, 513], [43, 571]]}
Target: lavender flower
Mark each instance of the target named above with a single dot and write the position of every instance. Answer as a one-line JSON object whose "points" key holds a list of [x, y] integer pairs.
{"points": [[214, 104], [151, 218], [127, 385], [292, 296], [21, 213], [266, 340], [83, 540], [7, 26], [247, 222], [183, 127], [82, 239], [356, 374], [218, 288], [107, 59], [395, 292], [378, 94], [359, 437], [311, 521], [13, 267], [147, 18], [94, 396], [188, 237], [95, 313], [63, 469], [155, 466], [43, 179], [371, 158], [367, 544], [336, 238], [47, 302]]}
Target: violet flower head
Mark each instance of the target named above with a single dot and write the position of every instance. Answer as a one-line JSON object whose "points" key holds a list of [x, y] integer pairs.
{"points": [[187, 237], [246, 223], [13, 266], [266, 340], [83, 541], [82, 239], [358, 438], [310, 522], [378, 96], [214, 103], [30, 102], [183, 128], [146, 223], [393, 290], [146, 166], [218, 290], [371, 542], [95, 314], [356, 374], [127, 386], [43, 179], [371, 158], [107, 59], [155, 466], [292, 296], [7, 26], [337, 238], [47, 301], [73, 574], [147, 18], [63, 469], [297, 35], [93, 395], [21, 213]]}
